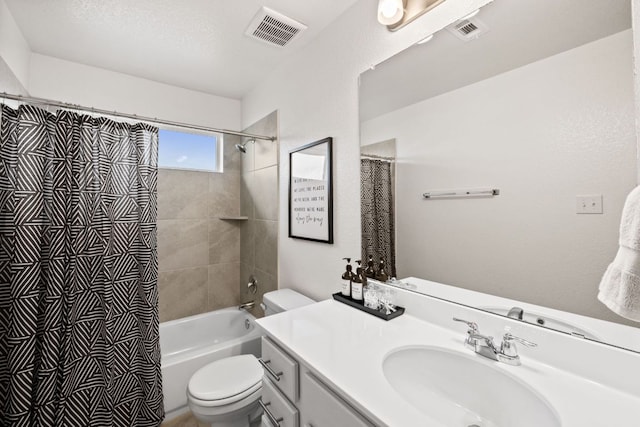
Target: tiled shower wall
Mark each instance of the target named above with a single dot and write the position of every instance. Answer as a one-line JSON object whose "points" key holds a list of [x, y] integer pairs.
{"points": [[199, 253], [259, 202]]}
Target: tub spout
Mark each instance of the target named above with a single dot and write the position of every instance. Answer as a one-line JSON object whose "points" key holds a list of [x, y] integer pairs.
{"points": [[247, 305]]}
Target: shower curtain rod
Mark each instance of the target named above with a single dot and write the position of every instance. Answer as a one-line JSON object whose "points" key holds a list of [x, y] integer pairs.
{"points": [[52, 103], [377, 157]]}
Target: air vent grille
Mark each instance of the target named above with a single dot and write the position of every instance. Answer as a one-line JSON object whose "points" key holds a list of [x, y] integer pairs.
{"points": [[468, 29], [269, 26]]}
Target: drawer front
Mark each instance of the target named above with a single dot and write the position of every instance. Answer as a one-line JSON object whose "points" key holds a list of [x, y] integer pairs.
{"points": [[321, 407], [283, 413], [280, 368]]}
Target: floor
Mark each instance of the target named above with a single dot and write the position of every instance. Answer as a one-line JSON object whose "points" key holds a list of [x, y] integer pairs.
{"points": [[186, 420]]}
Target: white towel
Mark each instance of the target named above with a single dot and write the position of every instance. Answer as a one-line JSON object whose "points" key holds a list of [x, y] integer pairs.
{"points": [[620, 285]]}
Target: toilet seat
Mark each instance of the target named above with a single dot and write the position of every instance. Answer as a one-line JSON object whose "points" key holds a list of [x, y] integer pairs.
{"points": [[225, 381], [227, 400]]}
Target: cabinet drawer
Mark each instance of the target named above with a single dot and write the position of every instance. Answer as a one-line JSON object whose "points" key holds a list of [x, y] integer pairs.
{"points": [[282, 411], [321, 407], [280, 368]]}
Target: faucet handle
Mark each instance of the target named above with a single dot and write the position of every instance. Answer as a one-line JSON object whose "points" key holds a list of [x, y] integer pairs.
{"points": [[473, 326], [473, 331], [252, 285], [509, 337], [508, 351]]}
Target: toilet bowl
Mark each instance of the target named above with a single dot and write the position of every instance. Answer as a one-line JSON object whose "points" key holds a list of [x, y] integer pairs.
{"points": [[226, 393]]}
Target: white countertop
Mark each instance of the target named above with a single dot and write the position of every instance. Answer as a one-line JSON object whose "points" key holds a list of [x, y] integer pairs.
{"points": [[346, 347]]}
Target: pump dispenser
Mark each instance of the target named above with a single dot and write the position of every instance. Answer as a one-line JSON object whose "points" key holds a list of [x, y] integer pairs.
{"points": [[356, 283], [382, 274], [370, 271], [347, 276]]}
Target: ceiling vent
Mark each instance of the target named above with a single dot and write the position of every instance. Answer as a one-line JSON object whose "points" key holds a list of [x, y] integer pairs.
{"points": [[274, 28], [468, 29]]}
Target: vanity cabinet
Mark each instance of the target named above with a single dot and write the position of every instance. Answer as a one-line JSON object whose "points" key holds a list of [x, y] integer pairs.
{"points": [[295, 397], [280, 368], [323, 408], [283, 413]]}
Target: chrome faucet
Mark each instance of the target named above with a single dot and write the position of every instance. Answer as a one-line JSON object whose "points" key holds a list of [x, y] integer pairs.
{"points": [[516, 313], [247, 305], [507, 352]]}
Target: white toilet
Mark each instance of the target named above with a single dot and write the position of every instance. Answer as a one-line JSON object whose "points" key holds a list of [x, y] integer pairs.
{"points": [[225, 393]]}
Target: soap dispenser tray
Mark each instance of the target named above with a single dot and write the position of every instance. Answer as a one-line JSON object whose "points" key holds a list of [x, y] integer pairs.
{"points": [[360, 306]]}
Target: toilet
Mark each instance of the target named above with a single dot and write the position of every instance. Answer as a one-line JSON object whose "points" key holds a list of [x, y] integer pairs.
{"points": [[225, 393]]}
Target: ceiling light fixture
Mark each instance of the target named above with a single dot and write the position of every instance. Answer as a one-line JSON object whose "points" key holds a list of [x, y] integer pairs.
{"points": [[426, 39], [390, 11], [395, 14]]}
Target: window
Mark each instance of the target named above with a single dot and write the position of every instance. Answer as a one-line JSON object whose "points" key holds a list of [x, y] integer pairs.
{"points": [[194, 151]]}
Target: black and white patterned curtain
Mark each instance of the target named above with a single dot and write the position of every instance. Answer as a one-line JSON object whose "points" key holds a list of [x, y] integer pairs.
{"points": [[377, 215], [79, 343]]}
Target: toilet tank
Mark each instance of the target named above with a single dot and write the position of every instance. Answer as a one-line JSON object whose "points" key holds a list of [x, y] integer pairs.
{"points": [[282, 300]]}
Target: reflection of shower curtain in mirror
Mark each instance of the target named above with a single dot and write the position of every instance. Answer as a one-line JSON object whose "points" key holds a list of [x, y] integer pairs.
{"points": [[378, 226], [79, 342]]}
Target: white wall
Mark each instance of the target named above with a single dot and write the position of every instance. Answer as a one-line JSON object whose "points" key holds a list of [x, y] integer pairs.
{"points": [[14, 49], [542, 134], [53, 78], [9, 82], [635, 16], [316, 95], [66, 81]]}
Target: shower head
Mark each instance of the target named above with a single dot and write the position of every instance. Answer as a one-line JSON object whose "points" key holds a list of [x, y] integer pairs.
{"points": [[241, 147]]}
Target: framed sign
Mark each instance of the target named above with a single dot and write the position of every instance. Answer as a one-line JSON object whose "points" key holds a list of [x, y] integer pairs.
{"points": [[310, 192]]}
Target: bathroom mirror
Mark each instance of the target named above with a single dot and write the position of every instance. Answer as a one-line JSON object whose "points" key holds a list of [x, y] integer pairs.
{"points": [[533, 99]]}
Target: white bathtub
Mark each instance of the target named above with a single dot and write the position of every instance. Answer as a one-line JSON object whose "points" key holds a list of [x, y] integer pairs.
{"points": [[190, 343]]}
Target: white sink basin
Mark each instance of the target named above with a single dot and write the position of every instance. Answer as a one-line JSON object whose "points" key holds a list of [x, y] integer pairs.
{"points": [[464, 390], [545, 320]]}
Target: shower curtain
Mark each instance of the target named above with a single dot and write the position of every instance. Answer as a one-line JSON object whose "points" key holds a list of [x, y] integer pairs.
{"points": [[79, 343], [377, 216]]}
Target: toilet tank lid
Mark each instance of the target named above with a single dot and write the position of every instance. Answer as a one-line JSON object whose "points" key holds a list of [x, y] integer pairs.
{"points": [[285, 299]]}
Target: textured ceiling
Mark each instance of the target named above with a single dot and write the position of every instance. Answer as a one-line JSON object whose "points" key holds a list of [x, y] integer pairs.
{"points": [[194, 44], [520, 32]]}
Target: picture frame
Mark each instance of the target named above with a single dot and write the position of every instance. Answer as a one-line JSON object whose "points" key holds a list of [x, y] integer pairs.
{"points": [[311, 192]]}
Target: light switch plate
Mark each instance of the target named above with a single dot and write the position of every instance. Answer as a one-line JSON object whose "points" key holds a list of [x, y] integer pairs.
{"points": [[591, 204]]}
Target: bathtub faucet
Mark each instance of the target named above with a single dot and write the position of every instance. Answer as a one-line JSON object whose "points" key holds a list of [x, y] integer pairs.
{"points": [[247, 305]]}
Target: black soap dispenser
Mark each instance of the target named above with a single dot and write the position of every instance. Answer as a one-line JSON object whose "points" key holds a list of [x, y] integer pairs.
{"points": [[370, 271], [356, 283], [347, 277], [382, 275]]}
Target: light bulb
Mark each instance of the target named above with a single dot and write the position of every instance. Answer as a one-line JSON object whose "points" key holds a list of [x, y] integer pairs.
{"points": [[388, 8], [390, 11]]}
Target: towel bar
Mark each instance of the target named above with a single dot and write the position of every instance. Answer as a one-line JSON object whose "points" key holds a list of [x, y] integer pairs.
{"points": [[489, 192]]}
